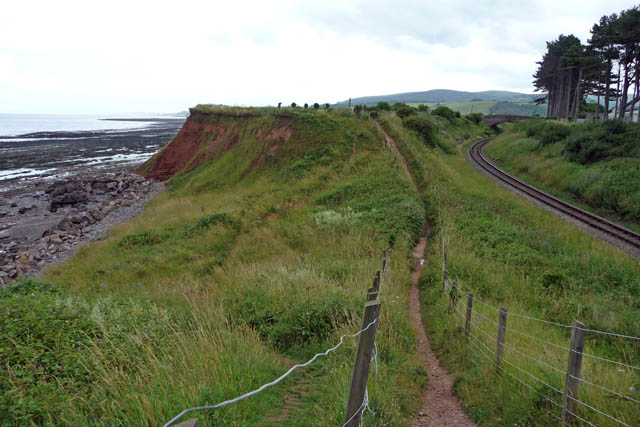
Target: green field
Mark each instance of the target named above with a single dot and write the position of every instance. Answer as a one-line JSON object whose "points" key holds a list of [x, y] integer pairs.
{"points": [[491, 107]]}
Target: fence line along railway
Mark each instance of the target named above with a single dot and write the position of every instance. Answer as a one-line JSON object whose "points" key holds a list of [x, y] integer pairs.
{"points": [[615, 231]]}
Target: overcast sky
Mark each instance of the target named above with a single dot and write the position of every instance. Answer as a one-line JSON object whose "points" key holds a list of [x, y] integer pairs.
{"points": [[134, 56]]}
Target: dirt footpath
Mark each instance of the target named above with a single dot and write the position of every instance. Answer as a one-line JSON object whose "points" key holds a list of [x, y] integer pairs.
{"points": [[440, 407]]}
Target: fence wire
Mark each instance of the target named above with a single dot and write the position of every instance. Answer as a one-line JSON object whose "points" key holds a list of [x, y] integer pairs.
{"points": [[272, 383], [487, 353]]}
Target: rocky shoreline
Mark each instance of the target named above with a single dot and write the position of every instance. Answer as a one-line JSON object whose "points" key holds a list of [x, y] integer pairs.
{"points": [[45, 227]]}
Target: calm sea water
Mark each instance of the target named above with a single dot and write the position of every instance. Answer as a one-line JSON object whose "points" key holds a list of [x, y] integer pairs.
{"points": [[20, 124]]}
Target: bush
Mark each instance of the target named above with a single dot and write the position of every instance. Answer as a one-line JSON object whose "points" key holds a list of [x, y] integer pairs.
{"points": [[553, 132], [421, 125], [445, 112], [474, 117], [294, 105], [548, 132], [593, 142], [145, 238], [405, 111], [423, 108], [316, 105], [291, 324], [384, 106]]}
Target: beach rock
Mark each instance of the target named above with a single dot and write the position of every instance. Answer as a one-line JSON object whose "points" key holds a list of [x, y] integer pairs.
{"points": [[65, 225]]}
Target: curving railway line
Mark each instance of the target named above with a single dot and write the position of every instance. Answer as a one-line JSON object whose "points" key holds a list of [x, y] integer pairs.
{"points": [[612, 230]]}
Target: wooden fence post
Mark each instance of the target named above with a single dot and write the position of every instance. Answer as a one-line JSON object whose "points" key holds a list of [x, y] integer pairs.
{"points": [[453, 297], [376, 282], [445, 275], [384, 263], [502, 330], [467, 325], [574, 367], [444, 255], [361, 366]]}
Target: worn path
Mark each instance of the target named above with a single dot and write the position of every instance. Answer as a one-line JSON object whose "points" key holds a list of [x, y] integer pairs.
{"points": [[440, 407]]}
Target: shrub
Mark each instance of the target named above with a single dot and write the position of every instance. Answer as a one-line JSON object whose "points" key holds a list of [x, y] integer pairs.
{"points": [[144, 238], [306, 105], [294, 105], [593, 142], [553, 132], [383, 105], [421, 125], [290, 324], [474, 117], [405, 111], [548, 132], [423, 108], [445, 112], [316, 105]]}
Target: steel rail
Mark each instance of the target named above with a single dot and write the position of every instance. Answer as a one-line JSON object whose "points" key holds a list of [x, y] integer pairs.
{"points": [[597, 222]]}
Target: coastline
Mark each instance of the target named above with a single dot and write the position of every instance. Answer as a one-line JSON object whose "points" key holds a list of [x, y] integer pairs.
{"points": [[80, 191]]}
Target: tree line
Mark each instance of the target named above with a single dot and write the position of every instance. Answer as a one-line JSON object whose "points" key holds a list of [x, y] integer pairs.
{"points": [[607, 68]]}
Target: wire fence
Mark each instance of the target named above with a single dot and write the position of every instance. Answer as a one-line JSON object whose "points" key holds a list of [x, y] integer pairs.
{"points": [[536, 368], [366, 353]]}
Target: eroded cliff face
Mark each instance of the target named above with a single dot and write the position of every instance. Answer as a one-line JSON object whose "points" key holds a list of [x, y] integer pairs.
{"points": [[205, 135]]}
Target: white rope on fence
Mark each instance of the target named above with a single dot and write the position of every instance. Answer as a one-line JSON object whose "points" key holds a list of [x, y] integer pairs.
{"points": [[363, 406], [272, 383]]}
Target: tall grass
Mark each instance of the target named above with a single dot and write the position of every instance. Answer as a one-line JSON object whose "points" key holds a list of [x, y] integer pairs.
{"points": [[254, 269], [609, 183], [510, 253]]}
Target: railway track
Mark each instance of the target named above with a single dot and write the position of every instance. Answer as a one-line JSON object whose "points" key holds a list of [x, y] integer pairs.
{"points": [[609, 228]]}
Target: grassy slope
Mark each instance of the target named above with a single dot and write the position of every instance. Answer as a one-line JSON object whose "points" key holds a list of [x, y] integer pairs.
{"points": [[490, 107], [512, 254], [180, 308], [610, 188]]}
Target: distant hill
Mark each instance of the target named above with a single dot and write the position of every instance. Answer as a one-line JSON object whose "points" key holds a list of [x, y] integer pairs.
{"points": [[441, 96]]}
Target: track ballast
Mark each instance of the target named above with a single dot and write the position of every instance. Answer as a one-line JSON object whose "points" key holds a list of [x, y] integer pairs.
{"points": [[607, 227]]}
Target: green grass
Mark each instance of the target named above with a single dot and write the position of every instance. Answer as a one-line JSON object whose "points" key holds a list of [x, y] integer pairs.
{"points": [[511, 253], [490, 107], [609, 187], [232, 275]]}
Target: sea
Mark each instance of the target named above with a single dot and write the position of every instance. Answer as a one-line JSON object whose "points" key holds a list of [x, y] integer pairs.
{"points": [[22, 124], [53, 146]]}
